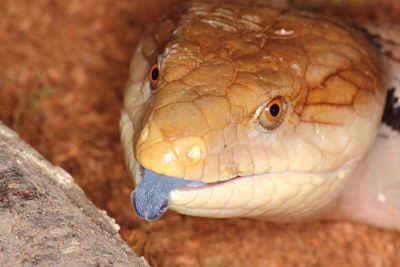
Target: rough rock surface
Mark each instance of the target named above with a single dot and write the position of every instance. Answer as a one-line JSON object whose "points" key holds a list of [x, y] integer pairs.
{"points": [[46, 219]]}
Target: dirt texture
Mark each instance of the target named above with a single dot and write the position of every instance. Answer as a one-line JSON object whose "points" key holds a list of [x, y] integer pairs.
{"points": [[63, 68]]}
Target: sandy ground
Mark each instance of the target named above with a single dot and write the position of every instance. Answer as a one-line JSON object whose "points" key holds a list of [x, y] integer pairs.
{"points": [[63, 68]]}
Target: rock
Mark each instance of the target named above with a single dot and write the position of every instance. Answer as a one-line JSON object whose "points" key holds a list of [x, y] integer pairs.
{"points": [[47, 220]]}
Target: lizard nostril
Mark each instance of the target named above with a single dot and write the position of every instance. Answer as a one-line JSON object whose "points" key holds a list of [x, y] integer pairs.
{"points": [[194, 154], [190, 150]]}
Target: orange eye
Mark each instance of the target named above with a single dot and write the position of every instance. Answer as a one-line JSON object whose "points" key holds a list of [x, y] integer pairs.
{"points": [[271, 115], [154, 74]]}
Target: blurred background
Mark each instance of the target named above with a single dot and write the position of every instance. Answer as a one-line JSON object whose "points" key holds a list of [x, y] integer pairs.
{"points": [[63, 69]]}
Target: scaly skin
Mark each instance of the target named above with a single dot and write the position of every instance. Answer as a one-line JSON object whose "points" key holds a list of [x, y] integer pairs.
{"points": [[219, 62]]}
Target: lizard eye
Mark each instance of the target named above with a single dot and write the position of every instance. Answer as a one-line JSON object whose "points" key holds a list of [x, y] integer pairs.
{"points": [[154, 74], [271, 114]]}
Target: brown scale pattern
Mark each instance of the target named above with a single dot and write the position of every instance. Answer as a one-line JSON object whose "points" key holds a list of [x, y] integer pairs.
{"points": [[224, 59]]}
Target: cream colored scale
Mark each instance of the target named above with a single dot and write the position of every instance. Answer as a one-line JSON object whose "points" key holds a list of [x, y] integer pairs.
{"points": [[272, 109]]}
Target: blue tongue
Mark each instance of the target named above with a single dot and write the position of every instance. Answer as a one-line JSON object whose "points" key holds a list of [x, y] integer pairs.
{"points": [[150, 197]]}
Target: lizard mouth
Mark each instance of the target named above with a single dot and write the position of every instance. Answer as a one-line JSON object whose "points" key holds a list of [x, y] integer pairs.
{"points": [[279, 196], [150, 199], [208, 185]]}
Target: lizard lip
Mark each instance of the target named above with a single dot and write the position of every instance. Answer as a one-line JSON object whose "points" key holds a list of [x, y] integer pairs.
{"points": [[150, 198], [203, 185], [208, 185]]}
